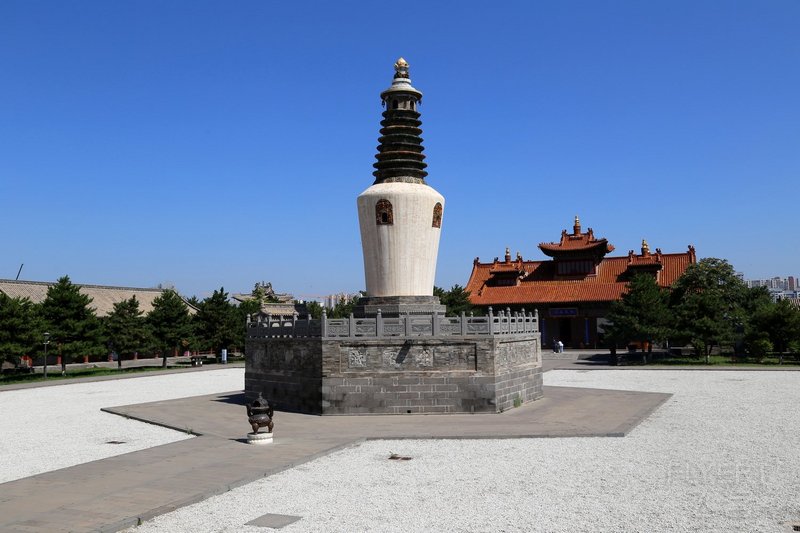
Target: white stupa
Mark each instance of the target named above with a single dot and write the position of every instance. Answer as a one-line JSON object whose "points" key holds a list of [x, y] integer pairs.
{"points": [[400, 215]]}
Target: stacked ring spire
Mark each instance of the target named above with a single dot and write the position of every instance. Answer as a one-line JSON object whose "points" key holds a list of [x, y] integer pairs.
{"points": [[400, 157]]}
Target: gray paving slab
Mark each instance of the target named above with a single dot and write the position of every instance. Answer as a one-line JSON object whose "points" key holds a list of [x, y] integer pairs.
{"points": [[118, 492], [274, 521]]}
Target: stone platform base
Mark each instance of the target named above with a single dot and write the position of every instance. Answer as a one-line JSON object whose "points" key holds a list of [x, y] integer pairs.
{"points": [[259, 438], [399, 375], [393, 306]]}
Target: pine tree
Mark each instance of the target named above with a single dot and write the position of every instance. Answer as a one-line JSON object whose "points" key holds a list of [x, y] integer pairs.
{"points": [[642, 314], [20, 330], [708, 302], [126, 329], [72, 324], [314, 309], [218, 325], [169, 323], [777, 322], [343, 309], [456, 300]]}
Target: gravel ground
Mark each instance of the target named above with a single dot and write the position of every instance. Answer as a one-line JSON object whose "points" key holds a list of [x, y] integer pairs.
{"points": [[720, 455], [47, 428]]}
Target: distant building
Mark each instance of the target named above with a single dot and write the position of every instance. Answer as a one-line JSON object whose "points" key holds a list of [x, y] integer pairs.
{"points": [[272, 303], [776, 286], [103, 296], [332, 300], [574, 291]]}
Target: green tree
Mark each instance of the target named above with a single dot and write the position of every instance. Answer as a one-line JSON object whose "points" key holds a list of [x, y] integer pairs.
{"points": [[126, 329], [20, 330], [456, 300], [169, 323], [758, 344], [72, 324], [314, 309], [343, 309], [642, 314], [779, 322], [218, 325], [755, 299], [707, 301], [243, 310]]}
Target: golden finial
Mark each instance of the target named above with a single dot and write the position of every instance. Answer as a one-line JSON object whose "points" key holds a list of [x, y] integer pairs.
{"points": [[645, 247], [400, 63], [576, 229]]}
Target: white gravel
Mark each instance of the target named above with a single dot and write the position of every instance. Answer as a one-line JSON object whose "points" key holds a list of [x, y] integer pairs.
{"points": [[720, 455], [47, 428]]}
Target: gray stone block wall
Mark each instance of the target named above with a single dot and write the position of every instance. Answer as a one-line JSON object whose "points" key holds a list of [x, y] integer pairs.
{"points": [[288, 372], [395, 376]]}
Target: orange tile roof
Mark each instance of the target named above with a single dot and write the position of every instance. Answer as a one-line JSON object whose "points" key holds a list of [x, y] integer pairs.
{"points": [[540, 286], [576, 242], [511, 267]]}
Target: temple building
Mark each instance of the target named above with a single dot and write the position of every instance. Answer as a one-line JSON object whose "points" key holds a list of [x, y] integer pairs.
{"points": [[574, 290], [103, 296]]}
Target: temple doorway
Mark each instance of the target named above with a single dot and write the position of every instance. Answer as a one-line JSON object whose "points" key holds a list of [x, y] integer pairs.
{"points": [[564, 331]]}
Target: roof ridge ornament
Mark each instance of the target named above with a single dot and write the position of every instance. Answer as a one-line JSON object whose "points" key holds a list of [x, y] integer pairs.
{"points": [[401, 68]]}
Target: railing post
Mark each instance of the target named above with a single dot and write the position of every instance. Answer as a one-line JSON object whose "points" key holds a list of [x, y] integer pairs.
{"points": [[491, 321], [435, 322], [463, 323], [407, 319], [536, 319], [323, 326], [352, 326], [379, 324], [294, 324]]}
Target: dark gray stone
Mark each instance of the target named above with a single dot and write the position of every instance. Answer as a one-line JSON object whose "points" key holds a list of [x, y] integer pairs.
{"points": [[452, 374], [394, 306]]}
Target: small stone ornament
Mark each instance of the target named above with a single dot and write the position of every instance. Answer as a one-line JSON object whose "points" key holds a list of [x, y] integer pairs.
{"points": [[259, 414]]}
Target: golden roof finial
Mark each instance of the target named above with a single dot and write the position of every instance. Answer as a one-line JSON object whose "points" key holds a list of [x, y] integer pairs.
{"points": [[645, 247], [576, 229], [400, 63]]}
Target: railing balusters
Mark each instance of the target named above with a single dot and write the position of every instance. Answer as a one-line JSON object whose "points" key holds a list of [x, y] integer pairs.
{"points": [[505, 323]]}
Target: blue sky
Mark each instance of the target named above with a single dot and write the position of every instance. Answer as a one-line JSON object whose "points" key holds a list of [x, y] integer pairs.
{"points": [[209, 144]]}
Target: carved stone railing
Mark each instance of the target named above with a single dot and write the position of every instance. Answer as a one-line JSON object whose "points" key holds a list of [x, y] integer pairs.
{"points": [[505, 323]]}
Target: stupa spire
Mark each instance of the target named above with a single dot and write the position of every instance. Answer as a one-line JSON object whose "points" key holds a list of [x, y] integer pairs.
{"points": [[399, 156]]}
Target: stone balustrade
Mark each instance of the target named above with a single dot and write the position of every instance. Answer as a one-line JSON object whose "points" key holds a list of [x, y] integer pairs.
{"points": [[434, 325]]}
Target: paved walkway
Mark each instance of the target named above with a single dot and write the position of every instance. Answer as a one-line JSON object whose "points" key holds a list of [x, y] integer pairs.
{"points": [[118, 492]]}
